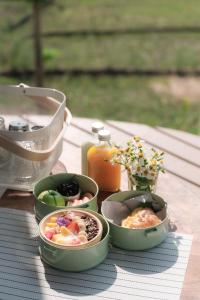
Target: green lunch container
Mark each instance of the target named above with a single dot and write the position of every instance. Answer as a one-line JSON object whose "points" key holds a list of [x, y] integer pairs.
{"points": [[75, 260], [129, 238], [51, 182]]}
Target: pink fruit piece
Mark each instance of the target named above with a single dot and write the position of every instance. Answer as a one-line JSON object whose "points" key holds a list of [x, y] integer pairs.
{"points": [[85, 199], [88, 195], [49, 235], [70, 216], [76, 202], [73, 227], [53, 230]]}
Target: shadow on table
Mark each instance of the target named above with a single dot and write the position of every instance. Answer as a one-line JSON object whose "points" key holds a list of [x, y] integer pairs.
{"points": [[155, 260], [86, 283]]}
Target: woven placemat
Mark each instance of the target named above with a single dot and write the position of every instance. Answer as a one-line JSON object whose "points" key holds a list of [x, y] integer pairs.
{"points": [[154, 274]]}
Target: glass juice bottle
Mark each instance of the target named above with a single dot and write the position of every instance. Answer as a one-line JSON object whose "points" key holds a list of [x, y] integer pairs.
{"points": [[106, 174], [96, 126]]}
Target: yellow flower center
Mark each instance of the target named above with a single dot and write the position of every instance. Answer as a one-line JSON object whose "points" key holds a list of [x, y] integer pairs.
{"points": [[137, 138]]}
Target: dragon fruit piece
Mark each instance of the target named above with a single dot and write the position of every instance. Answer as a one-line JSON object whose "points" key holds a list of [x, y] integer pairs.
{"points": [[62, 221]]}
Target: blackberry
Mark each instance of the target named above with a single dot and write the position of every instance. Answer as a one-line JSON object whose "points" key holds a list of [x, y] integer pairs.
{"points": [[68, 189]]}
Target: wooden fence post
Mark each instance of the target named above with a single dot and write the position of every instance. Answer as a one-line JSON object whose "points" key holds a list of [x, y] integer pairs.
{"points": [[39, 70]]}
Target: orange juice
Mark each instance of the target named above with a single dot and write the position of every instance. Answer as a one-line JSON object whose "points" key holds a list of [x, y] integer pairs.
{"points": [[106, 174], [96, 127]]}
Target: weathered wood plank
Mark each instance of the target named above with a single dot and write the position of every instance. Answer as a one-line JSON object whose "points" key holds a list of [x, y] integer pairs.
{"points": [[190, 139], [71, 158], [183, 202], [159, 139]]}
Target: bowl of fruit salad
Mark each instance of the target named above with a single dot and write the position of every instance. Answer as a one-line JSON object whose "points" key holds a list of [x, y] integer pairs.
{"points": [[71, 228], [64, 190], [73, 239]]}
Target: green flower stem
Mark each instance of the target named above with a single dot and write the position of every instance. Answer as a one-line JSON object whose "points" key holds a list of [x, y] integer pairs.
{"points": [[141, 183]]}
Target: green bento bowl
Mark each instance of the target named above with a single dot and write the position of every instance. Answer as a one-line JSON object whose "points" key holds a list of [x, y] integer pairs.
{"points": [[75, 260], [51, 182], [129, 238]]}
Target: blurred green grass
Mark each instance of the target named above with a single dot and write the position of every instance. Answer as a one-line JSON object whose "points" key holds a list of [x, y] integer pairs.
{"points": [[121, 98], [145, 52], [131, 99]]}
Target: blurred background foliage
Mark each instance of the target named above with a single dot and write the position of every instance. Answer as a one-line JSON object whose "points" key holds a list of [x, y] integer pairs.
{"points": [[114, 59]]}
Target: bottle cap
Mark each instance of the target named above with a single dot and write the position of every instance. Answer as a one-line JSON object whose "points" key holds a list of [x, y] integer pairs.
{"points": [[104, 135], [96, 126], [18, 126], [36, 127]]}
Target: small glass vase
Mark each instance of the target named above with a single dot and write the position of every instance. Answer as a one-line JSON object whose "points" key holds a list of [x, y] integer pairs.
{"points": [[136, 183]]}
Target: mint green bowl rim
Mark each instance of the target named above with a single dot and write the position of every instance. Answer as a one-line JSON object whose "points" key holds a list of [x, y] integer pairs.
{"points": [[107, 235], [133, 229], [65, 173]]}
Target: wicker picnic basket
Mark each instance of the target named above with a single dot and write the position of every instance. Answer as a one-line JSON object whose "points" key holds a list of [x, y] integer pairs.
{"points": [[22, 166]]}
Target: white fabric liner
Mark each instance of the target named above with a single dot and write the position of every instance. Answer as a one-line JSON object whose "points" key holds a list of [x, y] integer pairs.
{"points": [[154, 274]]}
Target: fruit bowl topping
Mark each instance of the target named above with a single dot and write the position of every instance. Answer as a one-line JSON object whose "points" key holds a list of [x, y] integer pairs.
{"points": [[68, 189], [71, 228], [52, 197]]}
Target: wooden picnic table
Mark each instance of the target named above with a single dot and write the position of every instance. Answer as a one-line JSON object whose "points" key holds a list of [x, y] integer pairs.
{"points": [[180, 186]]}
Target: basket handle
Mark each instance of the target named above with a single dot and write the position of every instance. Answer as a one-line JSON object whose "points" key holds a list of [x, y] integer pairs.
{"points": [[53, 98]]}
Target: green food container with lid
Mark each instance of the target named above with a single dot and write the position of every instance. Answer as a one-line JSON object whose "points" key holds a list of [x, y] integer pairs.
{"points": [[114, 208], [75, 260], [51, 182]]}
